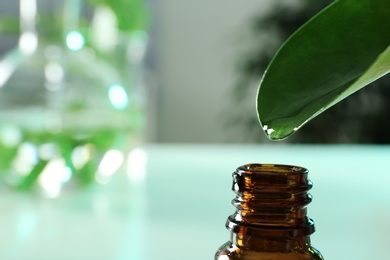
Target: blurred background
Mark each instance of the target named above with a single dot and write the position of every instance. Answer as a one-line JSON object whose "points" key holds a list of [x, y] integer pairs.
{"points": [[129, 115], [203, 66]]}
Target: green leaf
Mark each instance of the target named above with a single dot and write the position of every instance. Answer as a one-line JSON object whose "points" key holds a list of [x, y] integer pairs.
{"points": [[339, 51]]}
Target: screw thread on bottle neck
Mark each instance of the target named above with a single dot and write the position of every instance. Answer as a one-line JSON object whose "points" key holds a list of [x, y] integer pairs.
{"points": [[271, 205]]}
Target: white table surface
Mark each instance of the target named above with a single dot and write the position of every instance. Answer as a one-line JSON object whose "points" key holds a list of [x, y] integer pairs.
{"points": [[178, 211]]}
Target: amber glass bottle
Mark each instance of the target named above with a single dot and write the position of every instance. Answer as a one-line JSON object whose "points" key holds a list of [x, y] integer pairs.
{"points": [[270, 222]]}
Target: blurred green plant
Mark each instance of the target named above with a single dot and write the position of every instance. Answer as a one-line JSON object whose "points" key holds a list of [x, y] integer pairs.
{"points": [[132, 15], [63, 144], [9, 24], [339, 51]]}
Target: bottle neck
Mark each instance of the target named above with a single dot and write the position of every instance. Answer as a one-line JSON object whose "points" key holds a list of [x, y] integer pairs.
{"points": [[48, 20], [263, 244], [271, 208]]}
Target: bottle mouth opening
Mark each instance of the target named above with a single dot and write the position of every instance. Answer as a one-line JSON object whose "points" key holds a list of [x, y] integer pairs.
{"points": [[272, 168]]}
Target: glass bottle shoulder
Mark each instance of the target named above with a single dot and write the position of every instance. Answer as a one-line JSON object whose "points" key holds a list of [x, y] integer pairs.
{"points": [[229, 251]]}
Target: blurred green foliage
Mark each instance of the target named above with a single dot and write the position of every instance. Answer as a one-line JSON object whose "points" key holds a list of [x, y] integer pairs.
{"points": [[9, 24], [132, 15]]}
